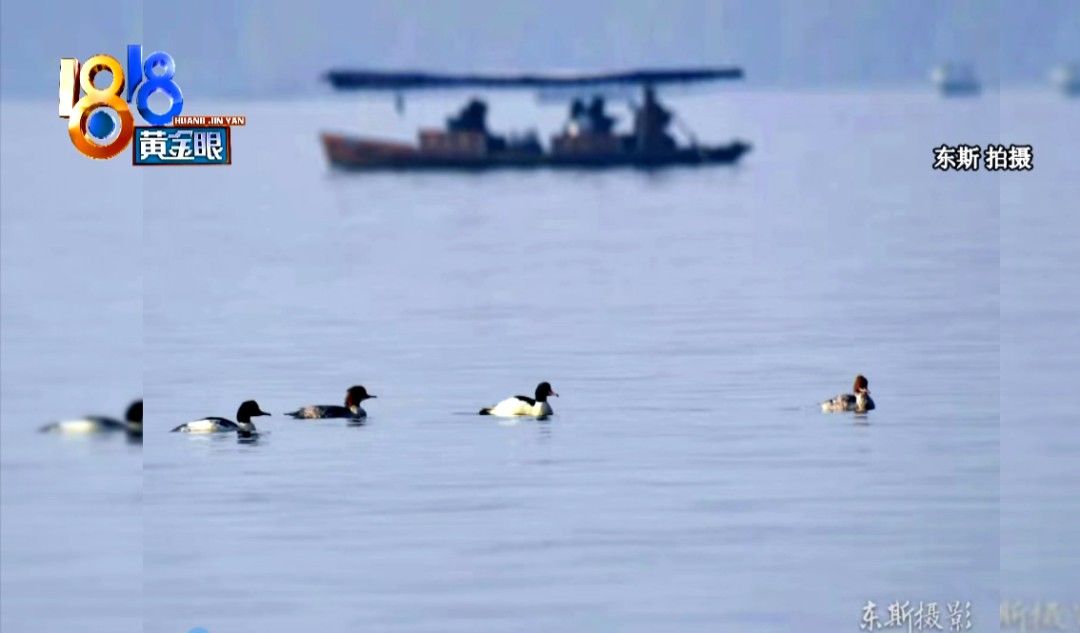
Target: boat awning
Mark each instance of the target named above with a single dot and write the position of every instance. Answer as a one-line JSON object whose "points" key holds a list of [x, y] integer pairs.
{"points": [[375, 80]]}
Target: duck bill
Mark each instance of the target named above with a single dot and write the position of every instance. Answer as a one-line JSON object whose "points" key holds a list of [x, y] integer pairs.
{"points": [[263, 413]]}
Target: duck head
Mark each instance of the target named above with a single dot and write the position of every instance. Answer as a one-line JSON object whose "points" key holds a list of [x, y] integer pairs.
{"points": [[543, 390], [861, 385], [249, 409], [134, 412], [355, 395]]}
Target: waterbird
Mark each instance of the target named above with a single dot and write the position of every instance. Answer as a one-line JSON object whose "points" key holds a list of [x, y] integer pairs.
{"points": [[353, 397], [243, 425], [514, 406], [92, 424], [859, 402]]}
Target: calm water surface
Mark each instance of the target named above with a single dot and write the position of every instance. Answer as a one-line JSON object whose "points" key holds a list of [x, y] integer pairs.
{"points": [[690, 320], [1040, 360], [71, 520]]}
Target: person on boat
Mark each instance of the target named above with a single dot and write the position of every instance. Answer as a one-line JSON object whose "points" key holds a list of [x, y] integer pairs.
{"points": [[577, 110], [600, 121], [578, 122], [650, 125], [472, 118], [589, 119]]}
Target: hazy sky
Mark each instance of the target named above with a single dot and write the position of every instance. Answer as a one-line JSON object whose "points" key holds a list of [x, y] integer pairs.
{"points": [[280, 47]]}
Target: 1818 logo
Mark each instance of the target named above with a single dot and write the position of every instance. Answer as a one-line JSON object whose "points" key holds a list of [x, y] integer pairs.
{"points": [[95, 131]]}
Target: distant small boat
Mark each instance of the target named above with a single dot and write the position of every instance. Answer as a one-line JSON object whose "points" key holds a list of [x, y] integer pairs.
{"points": [[589, 138], [1066, 78], [956, 80]]}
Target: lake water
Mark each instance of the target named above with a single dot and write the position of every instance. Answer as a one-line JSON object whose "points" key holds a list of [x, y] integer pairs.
{"points": [[71, 520], [690, 320], [1040, 360]]}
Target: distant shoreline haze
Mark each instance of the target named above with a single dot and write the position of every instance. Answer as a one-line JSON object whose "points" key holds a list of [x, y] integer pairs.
{"points": [[261, 50]]}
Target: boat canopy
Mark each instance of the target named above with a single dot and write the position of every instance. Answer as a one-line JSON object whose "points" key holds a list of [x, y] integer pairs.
{"points": [[375, 80]]}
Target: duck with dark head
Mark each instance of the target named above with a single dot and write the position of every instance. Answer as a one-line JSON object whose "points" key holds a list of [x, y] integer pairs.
{"points": [[859, 401], [353, 397], [243, 425], [96, 424], [517, 406]]}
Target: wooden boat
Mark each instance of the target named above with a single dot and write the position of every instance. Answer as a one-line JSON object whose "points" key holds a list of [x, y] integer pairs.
{"points": [[588, 141]]}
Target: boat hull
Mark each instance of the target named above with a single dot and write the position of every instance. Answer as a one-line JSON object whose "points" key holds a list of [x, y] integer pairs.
{"points": [[358, 154]]}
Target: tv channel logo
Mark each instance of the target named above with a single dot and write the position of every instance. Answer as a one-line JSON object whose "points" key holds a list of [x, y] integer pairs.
{"points": [[100, 122]]}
